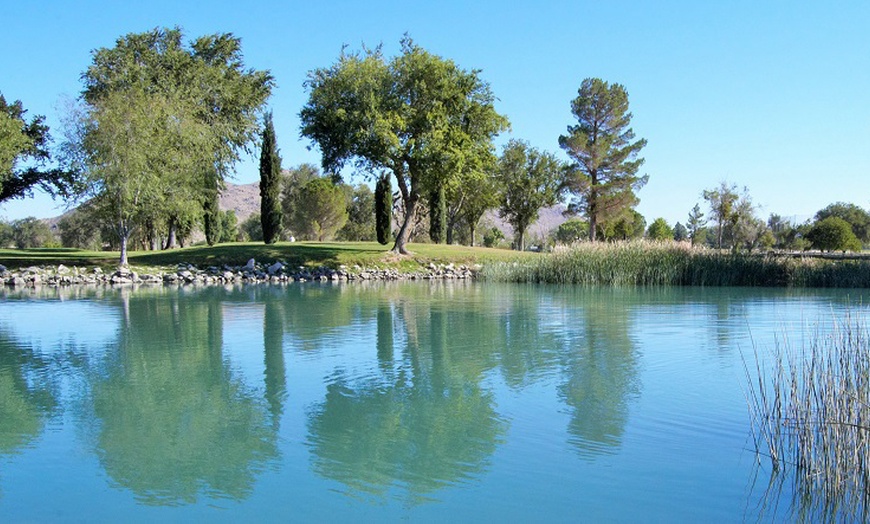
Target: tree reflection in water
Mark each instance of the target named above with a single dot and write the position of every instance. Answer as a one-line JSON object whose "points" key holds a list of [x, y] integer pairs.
{"points": [[172, 420]]}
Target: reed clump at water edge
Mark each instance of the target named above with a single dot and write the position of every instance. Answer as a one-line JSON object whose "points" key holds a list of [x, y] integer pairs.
{"points": [[810, 410], [645, 263]]}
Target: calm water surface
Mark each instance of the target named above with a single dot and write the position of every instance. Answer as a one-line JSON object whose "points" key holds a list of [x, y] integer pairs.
{"points": [[417, 402]]}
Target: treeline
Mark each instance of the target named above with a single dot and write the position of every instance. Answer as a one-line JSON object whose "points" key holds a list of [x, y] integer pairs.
{"points": [[160, 123]]}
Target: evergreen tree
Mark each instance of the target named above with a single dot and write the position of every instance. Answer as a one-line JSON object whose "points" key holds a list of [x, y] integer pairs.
{"points": [[680, 232], [438, 216], [270, 184], [384, 209], [695, 223], [604, 175]]}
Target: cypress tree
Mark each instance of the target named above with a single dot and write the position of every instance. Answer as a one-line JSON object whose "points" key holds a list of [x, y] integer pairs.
{"points": [[384, 209], [270, 184], [438, 216], [211, 208]]}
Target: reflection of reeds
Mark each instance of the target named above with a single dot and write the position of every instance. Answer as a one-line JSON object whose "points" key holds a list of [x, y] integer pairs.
{"points": [[670, 263], [810, 411]]}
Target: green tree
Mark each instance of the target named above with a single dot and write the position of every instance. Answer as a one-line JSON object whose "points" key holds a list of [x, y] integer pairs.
{"points": [[360, 224], [418, 116], [695, 224], [660, 230], [383, 209], [251, 229], [571, 231], [628, 225], [292, 181], [270, 183], [25, 142], [215, 90], [530, 180], [680, 232], [438, 215], [833, 234], [722, 200], [492, 237], [604, 176], [468, 201], [77, 229], [321, 210], [132, 141], [31, 232], [856, 216]]}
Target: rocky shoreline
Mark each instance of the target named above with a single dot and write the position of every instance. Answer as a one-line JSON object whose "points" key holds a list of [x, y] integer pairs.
{"points": [[251, 273]]}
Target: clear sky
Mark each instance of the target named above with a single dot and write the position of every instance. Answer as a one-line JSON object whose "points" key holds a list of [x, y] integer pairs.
{"points": [[772, 95]]}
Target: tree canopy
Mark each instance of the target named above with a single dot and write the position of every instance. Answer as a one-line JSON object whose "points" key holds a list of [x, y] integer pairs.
{"points": [[419, 116], [604, 174], [196, 109], [23, 154], [530, 180]]}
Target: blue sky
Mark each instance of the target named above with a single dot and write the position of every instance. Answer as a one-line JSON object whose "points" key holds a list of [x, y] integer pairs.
{"points": [[772, 95]]}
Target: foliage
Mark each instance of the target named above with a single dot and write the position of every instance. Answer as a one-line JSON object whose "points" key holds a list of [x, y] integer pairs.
{"points": [[417, 116], [604, 176], [630, 224], [570, 231], [680, 232], [360, 224], [722, 200], [467, 202], [383, 209], [202, 87], [270, 183], [660, 230], [292, 182], [321, 210], [856, 216], [529, 180], [833, 234], [31, 232], [251, 229], [695, 224], [23, 142], [492, 237], [438, 215], [77, 229]]}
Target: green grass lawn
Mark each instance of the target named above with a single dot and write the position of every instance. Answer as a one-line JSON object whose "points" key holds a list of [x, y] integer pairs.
{"points": [[312, 254]]}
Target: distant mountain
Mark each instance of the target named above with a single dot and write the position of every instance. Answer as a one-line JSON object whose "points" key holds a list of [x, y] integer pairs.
{"points": [[244, 199]]}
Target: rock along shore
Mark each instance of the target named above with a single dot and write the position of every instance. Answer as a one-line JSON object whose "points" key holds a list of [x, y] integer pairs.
{"points": [[251, 273]]}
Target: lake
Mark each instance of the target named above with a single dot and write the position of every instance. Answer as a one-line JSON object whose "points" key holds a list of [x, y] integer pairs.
{"points": [[390, 401]]}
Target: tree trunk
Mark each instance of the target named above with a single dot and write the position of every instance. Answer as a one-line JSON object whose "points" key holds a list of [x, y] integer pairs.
{"points": [[405, 228], [123, 262], [473, 228], [171, 239], [521, 244]]}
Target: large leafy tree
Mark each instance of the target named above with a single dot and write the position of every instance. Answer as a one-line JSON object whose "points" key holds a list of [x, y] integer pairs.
{"points": [[217, 91], [856, 216], [833, 234], [270, 184], [659, 230], [23, 154], [418, 116], [604, 175], [321, 211], [132, 145], [530, 179]]}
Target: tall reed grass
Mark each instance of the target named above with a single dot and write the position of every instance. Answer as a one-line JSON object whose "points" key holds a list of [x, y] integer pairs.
{"points": [[810, 409], [643, 263]]}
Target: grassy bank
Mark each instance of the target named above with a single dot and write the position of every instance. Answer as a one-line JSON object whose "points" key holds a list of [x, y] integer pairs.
{"points": [[311, 254], [671, 264]]}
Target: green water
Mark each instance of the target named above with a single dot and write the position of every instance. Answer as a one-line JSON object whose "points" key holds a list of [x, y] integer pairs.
{"points": [[388, 402]]}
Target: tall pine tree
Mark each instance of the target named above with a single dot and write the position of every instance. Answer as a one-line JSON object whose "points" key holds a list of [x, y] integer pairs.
{"points": [[604, 175], [270, 184], [438, 216]]}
